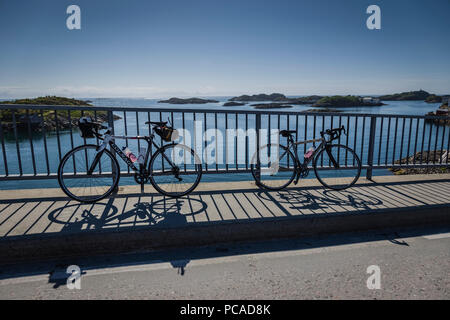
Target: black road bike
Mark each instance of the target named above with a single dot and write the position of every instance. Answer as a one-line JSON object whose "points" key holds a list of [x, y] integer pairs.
{"points": [[336, 166], [90, 172]]}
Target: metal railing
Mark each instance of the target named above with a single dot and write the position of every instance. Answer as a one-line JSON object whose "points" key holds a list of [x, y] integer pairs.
{"points": [[32, 148]]}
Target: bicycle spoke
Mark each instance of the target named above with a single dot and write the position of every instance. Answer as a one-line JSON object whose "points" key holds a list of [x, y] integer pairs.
{"points": [[83, 187]]}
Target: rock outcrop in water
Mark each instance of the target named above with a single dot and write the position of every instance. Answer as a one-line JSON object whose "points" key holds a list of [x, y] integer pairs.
{"points": [[188, 101], [233, 104], [444, 111], [270, 106], [424, 158]]}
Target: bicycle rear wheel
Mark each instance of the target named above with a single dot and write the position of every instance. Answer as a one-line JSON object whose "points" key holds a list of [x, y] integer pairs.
{"points": [[337, 167], [277, 167], [175, 170], [83, 187]]}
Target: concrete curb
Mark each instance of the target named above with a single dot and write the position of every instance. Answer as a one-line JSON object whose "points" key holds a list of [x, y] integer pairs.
{"points": [[41, 247]]}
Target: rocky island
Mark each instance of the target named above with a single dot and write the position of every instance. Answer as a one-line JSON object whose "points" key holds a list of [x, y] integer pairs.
{"points": [[259, 97], [188, 101], [444, 110], [346, 101], [406, 96], [270, 106], [46, 120], [233, 104], [276, 97]]}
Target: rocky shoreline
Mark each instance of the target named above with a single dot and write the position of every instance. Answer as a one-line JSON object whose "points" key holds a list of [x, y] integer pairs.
{"points": [[443, 110], [48, 120], [424, 157]]}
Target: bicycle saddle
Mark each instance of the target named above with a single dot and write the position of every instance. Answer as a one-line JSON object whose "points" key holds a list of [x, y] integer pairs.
{"points": [[287, 133], [157, 123]]}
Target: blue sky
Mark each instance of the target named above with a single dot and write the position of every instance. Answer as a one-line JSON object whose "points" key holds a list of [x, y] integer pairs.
{"points": [[165, 48]]}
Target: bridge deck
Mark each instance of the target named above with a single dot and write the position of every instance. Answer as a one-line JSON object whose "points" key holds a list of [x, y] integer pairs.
{"points": [[33, 212]]}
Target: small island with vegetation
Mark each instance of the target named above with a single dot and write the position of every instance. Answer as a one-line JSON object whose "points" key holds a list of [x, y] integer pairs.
{"points": [[270, 106], [233, 104], [279, 100], [47, 118], [346, 101], [420, 95], [276, 97], [259, 97], [188, 101]]}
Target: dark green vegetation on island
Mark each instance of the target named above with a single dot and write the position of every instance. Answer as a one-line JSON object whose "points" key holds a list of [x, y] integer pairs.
{"points": [[276, 97], [341, 101], [280, 101], [187, 101], [233, 104], [432, 98], [406, 96], [260, 97], [47, 118], [270, 106], [345, 101], [50, 100]]}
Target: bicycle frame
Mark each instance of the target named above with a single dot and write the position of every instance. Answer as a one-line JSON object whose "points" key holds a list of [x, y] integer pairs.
{"points": [[302, 166], [109, 139]]}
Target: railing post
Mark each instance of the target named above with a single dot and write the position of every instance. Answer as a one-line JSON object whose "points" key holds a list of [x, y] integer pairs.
{"points": [[258, 128], [111, 120], [111, 125], [373, 123]]}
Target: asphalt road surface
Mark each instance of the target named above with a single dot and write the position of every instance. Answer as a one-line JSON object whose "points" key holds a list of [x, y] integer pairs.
{"points": [[413, 264]]}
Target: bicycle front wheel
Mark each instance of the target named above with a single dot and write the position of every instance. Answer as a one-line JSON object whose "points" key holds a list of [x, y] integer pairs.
{"points": [[175, 170], [78, 184], [337, 167], [277, 167]]}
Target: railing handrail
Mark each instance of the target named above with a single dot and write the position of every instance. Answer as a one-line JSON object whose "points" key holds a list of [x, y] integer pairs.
{"points": [[198, 110], [434, 135]]}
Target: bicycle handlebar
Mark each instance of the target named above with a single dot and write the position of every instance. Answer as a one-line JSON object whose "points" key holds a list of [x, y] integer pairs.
{"points": [[333, 133]]}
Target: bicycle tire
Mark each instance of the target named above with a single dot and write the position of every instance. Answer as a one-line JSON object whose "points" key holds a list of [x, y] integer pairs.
{"points": [[352, 178], [65, 188], [258, 180], [153, 171]]}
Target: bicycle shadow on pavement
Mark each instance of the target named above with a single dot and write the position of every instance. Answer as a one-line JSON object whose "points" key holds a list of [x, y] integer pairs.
{"points": [[94, 217], [301, 199]]}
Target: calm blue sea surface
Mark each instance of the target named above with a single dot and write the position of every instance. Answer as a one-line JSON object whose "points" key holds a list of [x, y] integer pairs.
{"points": [[356, 130]]}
